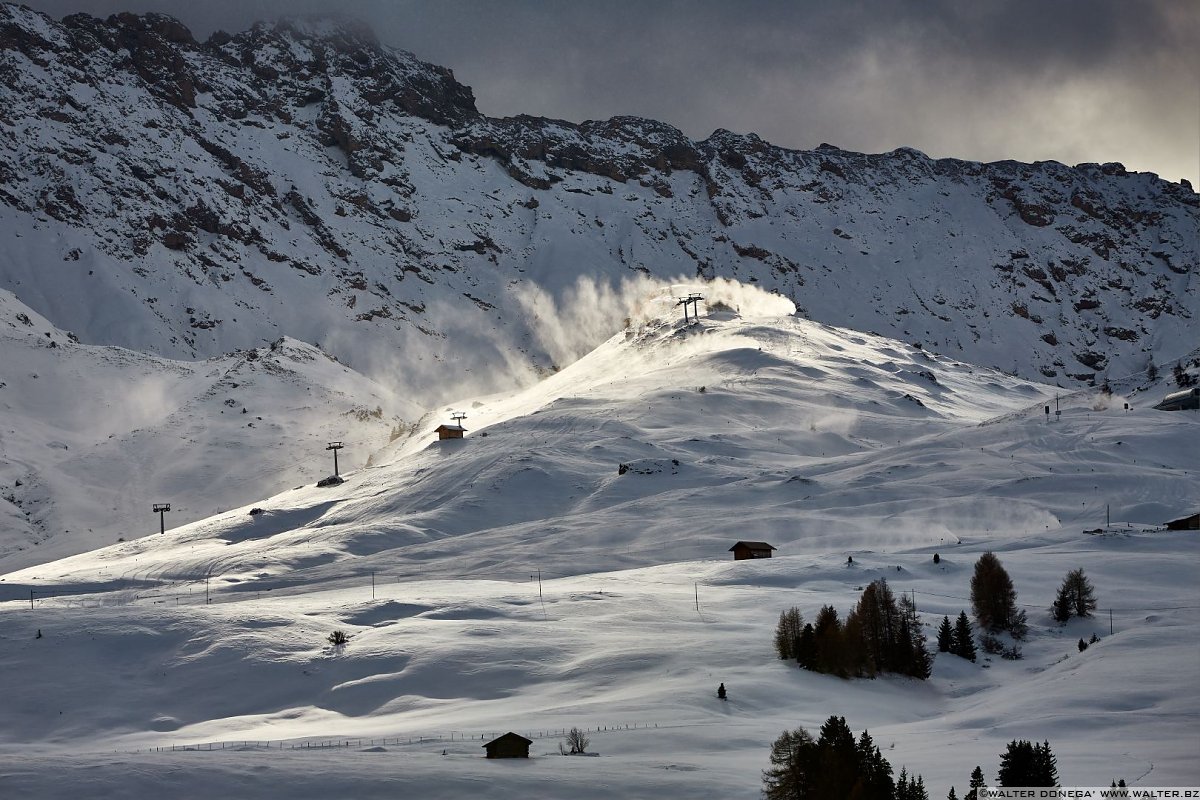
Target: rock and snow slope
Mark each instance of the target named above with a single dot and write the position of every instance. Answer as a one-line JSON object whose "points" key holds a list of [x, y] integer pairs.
{"points": [[90, 436], [300, 179], [824, 441]]}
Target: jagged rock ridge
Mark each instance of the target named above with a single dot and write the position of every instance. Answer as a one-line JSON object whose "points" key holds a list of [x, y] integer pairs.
{"points": [[191, 198]]}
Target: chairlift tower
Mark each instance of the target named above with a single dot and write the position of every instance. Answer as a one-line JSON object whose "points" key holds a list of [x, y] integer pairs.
{"points": [[683, 301], [335, 446], [458, 417], [161, 509], [692, 299]]}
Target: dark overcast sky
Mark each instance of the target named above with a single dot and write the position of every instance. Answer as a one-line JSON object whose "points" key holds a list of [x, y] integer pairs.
{"points": [[1070, 80]]}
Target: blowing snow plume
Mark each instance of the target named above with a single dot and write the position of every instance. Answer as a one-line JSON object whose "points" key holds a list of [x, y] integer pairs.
{"points": [[588, 313], [460, 355]]}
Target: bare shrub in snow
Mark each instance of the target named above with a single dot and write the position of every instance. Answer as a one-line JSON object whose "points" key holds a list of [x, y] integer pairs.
{"points": [[577, 741]]}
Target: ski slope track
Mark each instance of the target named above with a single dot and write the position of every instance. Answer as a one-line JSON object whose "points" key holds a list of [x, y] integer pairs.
{"points": [[565, 564]]}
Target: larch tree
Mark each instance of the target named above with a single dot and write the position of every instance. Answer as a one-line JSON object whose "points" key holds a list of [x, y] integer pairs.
{"points": [[993, 597], [1075, 597], [787, 632], [793, 767]]}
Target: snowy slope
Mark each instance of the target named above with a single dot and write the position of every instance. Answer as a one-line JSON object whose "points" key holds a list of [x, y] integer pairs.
{"points": [[824, 441], [91, 436]]}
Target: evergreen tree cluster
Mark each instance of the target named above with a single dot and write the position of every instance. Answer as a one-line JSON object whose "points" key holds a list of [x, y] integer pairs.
{"points": [[1075, 597], [834, 765], [994, 599], [910, 788], [1028, 764], [880, 634], [957, 639], [1182, 378]]}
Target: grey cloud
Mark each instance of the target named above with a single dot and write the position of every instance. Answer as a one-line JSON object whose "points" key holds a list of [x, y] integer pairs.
{"points": [[1074, 80]]}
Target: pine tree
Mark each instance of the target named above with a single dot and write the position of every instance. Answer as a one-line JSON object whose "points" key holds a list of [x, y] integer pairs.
{"points": [[806, 648], [963, 640], [1027, 764], [793, 767], [977, 783], [828, 633], [1016, 764], [1045, 766], [874, 772], [952, 795], [918, 663], [833, 766], [1018, 627], [783, 645], [878, 618], [945, 638], [837, 760], [854, 660], [1075, 596], [993, 597], [1060, 609]]}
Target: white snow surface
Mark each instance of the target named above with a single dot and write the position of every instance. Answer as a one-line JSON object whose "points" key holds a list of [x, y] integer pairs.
{"points": [[515, 580]]}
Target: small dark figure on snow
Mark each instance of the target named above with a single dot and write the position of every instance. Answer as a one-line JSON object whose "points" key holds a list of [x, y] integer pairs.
{"points": [[849, 559], [39, 634], [721, 691]]}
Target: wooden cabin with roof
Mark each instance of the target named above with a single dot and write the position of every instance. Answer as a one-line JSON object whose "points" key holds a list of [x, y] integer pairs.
{"points": [[744, 550], [1191, 523], [450, 432], [510, 745]]}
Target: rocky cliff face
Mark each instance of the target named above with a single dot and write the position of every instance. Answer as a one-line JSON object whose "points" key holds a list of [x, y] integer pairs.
{"points": [[191, 198]]}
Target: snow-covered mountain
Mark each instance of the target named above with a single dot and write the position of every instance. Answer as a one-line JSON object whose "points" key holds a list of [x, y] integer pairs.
{"points": [[221, 256], [93, 435], [299, 179]]}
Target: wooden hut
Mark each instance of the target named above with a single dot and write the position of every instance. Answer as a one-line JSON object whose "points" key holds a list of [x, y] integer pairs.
{"points": [[1191, 523], [743, 550], [510, 745], [450, 432]]}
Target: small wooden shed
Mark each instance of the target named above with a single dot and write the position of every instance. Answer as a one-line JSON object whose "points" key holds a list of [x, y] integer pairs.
{"points": [[1191, 523], [744, 550], [510, 745], [450, 432]]}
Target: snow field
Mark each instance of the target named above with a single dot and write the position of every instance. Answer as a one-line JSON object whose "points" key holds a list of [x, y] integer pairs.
{"points": [[803, 436]]}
